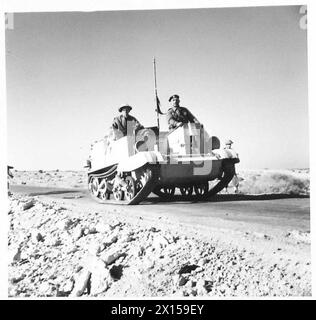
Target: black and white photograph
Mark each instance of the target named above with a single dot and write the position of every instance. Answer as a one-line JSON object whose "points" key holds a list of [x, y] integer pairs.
{"points": [[158, 153]]}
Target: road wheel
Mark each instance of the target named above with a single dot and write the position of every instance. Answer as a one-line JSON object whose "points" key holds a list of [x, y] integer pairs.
{"points": [[169, 191], [186, 191], [94, 186], [130, 188], [201, 189], [118, 194]]}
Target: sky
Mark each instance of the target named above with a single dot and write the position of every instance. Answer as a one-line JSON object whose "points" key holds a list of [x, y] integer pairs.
{"points": [[241, 71]]}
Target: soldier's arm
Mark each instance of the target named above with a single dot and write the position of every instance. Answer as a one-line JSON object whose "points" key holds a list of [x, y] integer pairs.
{"points": [[191, 117], [138, 125], [172, 122], [114, 124]]}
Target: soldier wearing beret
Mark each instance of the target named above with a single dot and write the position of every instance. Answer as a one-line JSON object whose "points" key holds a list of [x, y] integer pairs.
{"points": [[125, 122], [177, 115]]}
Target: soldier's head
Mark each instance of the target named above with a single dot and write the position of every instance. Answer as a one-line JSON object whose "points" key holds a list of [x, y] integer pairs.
{"points": [[125, 110], [175, 100], [228, 144]]}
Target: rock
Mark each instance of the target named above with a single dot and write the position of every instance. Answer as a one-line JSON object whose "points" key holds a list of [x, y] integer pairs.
{"points": [[14, 254], [109, 241], [85, 231], [182, 281], [194, 292], [81, 283], [127, 238], [202, 262], [103, 227], [44, 289], [64, 224], [109, 258], [28, 205], [15, 280], [100, 276], [51, 212], [52, 240], [148, 264], [159, 242], [262, 235], [203, 286], [94, 248], [187, 268], [65, 288], [78, 232], [73, 249], [36, 236], [99, 282], [299, 236]]}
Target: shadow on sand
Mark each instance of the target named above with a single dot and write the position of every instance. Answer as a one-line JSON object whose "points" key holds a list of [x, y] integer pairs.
{"points": [[225, 198], [53, 192]]}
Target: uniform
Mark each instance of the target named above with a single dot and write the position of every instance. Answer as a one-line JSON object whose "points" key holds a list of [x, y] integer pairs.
{"points": [[120, 124], [177, 115]]}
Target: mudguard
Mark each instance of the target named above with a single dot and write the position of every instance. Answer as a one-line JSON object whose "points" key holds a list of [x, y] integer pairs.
{"points": [[138, 160]]}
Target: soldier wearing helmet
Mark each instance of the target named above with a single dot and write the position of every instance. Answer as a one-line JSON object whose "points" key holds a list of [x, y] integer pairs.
{"points": [[228, 144], [177, 115], [125, 124]]}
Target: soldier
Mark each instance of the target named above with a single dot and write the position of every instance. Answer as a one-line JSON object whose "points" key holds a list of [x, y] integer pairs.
{"points": [[125, 122], [177, 115], [235, 181], [10, 176], [228, 144]]}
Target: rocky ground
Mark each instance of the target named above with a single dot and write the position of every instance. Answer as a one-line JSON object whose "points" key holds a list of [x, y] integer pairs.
{"points": [[59, 251], [58, 248]]}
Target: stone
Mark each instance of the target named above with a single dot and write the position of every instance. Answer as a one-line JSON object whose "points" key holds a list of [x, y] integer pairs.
{"points": [[67, 286], [36, 236], [14, 254], [109, 258], [160, 242], [44, 289], [15, 280], [100, 277], [28, 205], [64, 224], [103, 227], [94, 248], [81, 283], [109, 241], [99, 283], [182, 281], [78, 232], [52, 240]]}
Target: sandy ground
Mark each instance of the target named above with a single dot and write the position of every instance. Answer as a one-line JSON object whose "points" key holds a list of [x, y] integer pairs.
{"points": [[62, 244]]}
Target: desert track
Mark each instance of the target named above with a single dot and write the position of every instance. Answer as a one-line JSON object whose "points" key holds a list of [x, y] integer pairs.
{"points": [[265, 213]]}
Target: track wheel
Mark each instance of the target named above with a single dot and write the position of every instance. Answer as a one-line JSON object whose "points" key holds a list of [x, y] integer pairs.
{"points": [[104, 193], [118, 194], [169, 191], [186, 191], [130, 188], [201, 189], [94, 186]]}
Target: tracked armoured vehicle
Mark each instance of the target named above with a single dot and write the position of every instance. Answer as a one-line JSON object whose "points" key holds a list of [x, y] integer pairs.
{"points": [[186, 163]]}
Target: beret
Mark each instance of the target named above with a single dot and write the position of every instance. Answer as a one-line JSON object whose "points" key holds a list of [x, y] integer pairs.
{"points": [[174, 96]]}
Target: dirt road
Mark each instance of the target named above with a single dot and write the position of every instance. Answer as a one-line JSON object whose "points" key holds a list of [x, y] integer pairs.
{"points": [[269, 214]]}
